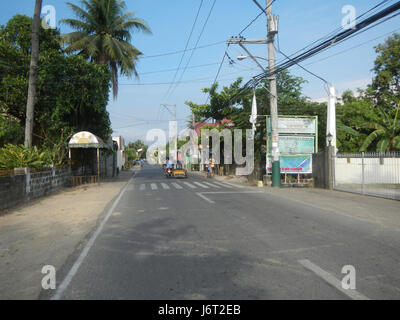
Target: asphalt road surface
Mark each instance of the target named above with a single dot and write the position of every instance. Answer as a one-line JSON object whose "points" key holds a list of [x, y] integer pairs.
{"points": [[198, 238]]}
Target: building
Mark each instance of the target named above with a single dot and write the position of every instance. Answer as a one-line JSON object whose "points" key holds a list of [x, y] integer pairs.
{"points": [[120, 152]]}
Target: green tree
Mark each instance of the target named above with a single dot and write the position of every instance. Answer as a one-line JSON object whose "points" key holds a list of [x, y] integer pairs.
{"points": [[137, 145], [385, 87], [103, 35], [386, 132], [72, 93]]}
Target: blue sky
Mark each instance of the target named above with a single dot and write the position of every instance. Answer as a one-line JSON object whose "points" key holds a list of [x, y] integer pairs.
{"points": [[137, 108]]}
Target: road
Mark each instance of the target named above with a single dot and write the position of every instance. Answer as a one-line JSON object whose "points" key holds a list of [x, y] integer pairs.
{"points": [[202, 239]]}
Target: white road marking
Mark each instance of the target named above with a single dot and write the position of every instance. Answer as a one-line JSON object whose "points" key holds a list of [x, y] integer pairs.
{"points": [[201, 185], [204, 197], [222, 185], [131, 187], [351, 293], [233, 185], [67, 280], [202, 194], [212, 185], [177, 186], [142, 187], [153, 186], [190, 185], [165, 186]]}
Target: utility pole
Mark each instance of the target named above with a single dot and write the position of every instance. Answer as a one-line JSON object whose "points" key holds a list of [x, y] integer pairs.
{"points": [[272, 30], [30, 104], [175, 129]]}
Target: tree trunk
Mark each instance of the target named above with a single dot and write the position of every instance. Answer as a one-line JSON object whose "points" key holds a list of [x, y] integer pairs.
{"points": [[30, 105]]}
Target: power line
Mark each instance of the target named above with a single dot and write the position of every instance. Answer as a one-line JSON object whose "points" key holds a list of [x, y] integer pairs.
{"points": [[219, 70], [338, 38], [334, 40], [191, 67], [341, 28], [197, 42], [352, 48], [180, 51], [255, 19], [187, 44]]}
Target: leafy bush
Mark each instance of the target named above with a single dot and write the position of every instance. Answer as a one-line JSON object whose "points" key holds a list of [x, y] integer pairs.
{"points": [[17, 156]]}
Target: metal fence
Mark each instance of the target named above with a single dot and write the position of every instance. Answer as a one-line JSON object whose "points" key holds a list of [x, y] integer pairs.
{"points": [[375, 174]]}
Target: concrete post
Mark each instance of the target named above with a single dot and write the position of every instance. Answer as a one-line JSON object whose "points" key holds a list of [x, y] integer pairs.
{"points": [[330, 158]]}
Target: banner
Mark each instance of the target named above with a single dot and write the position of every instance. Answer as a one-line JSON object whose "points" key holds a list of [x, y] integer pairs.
{"points": [[292, 163]]}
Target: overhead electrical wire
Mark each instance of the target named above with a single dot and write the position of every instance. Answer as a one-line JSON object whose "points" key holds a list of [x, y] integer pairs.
{"points": [[328, 43], [180, 51], [195, 47], [186, 46], [330, 34], [256, 18]]}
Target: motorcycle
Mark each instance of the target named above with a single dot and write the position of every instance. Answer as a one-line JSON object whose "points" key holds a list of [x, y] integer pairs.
{"points": [[168, 172]]}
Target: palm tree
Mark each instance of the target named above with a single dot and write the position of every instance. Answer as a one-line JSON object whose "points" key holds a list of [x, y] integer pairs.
{"points": [[30, 103], [386, 131], [103, 35]]}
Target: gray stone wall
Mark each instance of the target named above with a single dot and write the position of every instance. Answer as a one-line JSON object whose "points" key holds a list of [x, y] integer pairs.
{"points": [[12, 190], [19, 188]]}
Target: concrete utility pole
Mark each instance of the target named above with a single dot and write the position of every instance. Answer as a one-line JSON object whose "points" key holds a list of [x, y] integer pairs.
{"points": [[272, 28], [175, 130], [30, 104], [331, 119]]}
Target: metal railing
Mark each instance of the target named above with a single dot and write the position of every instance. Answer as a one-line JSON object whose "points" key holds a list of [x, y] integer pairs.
{"points": [[375, 174]]}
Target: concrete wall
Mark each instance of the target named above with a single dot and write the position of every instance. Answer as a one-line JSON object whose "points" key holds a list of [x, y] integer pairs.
{"points": [[376, 170], [19, 188], [322, 169]]}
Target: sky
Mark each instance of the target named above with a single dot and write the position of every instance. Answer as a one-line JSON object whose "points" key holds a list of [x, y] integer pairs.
{"points": [[138, 106]]}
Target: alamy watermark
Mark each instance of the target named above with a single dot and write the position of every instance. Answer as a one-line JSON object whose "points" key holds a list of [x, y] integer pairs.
{"points": [[49, 20], [49, 280], [349, 20], [205, 149], [349, 280]]}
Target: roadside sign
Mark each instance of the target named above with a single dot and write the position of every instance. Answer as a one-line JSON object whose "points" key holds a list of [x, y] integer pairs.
{"points": [[292, 163], [295, 144], [295, 125]]}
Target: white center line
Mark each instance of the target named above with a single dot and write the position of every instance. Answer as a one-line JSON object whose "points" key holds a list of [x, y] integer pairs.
{"points": [[351, 293]]}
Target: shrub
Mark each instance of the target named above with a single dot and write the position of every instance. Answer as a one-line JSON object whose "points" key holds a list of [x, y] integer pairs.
{"points": [[17, 156]]}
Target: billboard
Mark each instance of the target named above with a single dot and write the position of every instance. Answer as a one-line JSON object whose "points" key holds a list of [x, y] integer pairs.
{"points": [[295, 144], [301, 163], [295, 125]]}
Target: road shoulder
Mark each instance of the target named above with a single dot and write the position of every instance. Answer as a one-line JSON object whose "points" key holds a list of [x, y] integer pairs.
{"points": [[49, 231]]}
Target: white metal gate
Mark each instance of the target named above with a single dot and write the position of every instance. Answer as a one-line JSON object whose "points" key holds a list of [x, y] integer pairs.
{"points": [[375, 174]]}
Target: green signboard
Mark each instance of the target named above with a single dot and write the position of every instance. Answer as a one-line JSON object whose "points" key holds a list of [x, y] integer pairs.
{"points": [[295, 125], [295, 144]]}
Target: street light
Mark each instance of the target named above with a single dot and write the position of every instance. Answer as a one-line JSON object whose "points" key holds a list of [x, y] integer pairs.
{"points": [[240, 58], [329, 137]]}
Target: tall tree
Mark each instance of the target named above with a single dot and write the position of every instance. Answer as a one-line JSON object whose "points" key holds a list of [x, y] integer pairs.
{"points": [[30, 104], [103, 35]]}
